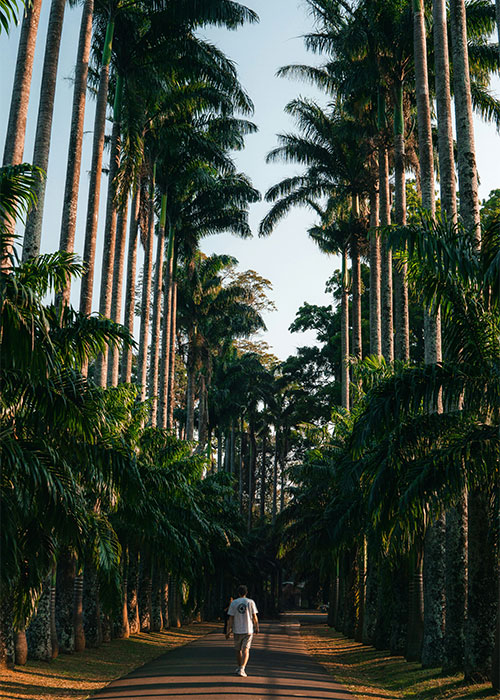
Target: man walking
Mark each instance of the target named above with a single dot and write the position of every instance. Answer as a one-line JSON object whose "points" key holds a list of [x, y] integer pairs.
{"points": [[243, 623]]}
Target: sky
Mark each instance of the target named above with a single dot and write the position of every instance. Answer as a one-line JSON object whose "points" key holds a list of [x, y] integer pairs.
{"points": [[288, 258]]}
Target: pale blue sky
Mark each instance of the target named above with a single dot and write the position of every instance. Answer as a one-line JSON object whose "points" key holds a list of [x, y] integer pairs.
{"points": [[292, 263]]}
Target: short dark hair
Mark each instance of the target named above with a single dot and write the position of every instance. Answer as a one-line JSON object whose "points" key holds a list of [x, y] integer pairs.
{"points": [[242, 591]]}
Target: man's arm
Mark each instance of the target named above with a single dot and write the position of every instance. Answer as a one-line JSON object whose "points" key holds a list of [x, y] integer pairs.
{"points": [[255, 623], [229, 626]]}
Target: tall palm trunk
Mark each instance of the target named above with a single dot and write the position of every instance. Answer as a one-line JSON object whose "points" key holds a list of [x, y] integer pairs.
{"points": [[386, 300], [344, 333], [86, 291], [157, 310], [434, 560], [166, 332], [357, 342], [416, 607], [68, 223], [375, 276], [130, 287], [91, 607], [132, 592], [402, 340], [171, 371], [116, 300], [108, 255], [18, 114], [275, 476], [142, 360], [66, 573], [263, 478], [190, 396], [443, 103], [33, 232], [39, 631], [467, 169], [456, 585]]}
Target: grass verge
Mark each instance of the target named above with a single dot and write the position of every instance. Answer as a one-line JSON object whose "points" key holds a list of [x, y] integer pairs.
{"points": [[374, 675], [78, 676]]}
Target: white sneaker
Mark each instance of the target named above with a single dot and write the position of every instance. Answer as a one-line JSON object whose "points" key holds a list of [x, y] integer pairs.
{"points": [[242, 672]]}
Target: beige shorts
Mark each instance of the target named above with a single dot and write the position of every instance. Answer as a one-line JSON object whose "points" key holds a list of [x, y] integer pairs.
{"points": [[242, 641]]}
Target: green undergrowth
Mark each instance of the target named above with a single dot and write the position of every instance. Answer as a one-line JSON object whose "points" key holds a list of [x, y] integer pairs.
{"points": [[375, 675], [79, 676]]}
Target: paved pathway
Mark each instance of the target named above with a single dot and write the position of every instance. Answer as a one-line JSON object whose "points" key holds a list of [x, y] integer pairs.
{"points": [[279, 667]]}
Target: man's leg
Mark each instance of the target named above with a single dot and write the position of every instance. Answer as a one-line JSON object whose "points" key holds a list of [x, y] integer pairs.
{"points": [[245, 653], [239, 660]]}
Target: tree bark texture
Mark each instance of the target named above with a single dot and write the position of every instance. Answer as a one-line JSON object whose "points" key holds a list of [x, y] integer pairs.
{"points": [[467, 168], [87, 287], [80, 642], [7, 651], [145, 598], [357, 342], [372, 586], [455, 586], [434, 594], [171, 370], [133, 593], [444, 114], [20, 647], [481, 592], [165, 344], [70, 202], [399, 616], [108, 252], [415, 613], [65, 585], [116, 300], [18, 114], [129, 315], [402, 340], [33, 232], [156, 603], [142, 360], [375, 277], [344, 333], [190, 395], [155, 326], [91, 607], [386, 297], [165, 588], [39, 631]]}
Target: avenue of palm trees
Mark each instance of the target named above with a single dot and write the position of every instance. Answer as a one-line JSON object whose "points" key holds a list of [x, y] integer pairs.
{"points": [[153, 450]]}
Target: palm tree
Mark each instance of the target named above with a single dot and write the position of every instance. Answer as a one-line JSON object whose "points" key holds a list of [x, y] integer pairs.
{"points": [[33, 232], [70, 201], [467, 171]]}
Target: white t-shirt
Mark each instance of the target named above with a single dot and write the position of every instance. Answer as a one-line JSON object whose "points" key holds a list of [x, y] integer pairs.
{"points": [[241, 610]]}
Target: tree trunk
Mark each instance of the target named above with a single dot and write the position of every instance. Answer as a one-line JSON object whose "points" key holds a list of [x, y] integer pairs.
{"points": [[33, 232], [80, 642], [190, 395], [344, 333], [275, 475], [70, 205], [7, 651], [482, 591], [399, 616], [386, 300], [108, 253], [455, 586], [415, 611], [361, 591], [87, 286], [132, 592], [129, 315], [357, 342], [145, 600], [116, 301], [467, 169], [443, 104], [91, 607], [375, 277], [142, 359], [165, 333], [263, 479], [240, 473], [434, 589], [39, 631], [156, 320], [156, 603], [370, 611], [18, 114], [164, 601], [171, 371], [20, 647], [65, 585], [402, 341]]}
